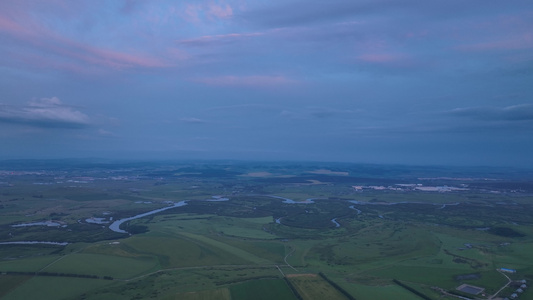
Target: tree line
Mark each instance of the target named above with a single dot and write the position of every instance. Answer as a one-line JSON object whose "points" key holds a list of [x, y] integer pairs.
{"points": [[57, 275]]}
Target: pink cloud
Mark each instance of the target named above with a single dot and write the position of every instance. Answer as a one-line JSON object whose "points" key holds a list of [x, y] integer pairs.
{"points": [[502, 32], [192, 13], [219, 11], [38, 61], [10, 27], [247, 81], [196, 13], [114, 59], [521, 42], [43, 40]]}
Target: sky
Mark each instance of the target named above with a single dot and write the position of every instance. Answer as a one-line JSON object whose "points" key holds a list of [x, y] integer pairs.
{"points": [[366, 81]]}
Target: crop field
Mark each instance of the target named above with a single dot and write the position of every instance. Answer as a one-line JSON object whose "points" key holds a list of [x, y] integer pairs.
{"points": [[258, 236]]}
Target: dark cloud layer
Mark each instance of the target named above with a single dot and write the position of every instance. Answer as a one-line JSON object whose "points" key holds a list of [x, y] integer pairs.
{"points": [[46, 112]]}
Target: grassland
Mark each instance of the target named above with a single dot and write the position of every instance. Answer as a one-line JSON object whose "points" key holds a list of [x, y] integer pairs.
{"points": [[248, 246]]}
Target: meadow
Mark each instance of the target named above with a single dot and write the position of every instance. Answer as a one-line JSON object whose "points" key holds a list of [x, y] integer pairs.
{"points": [[237, 239]]}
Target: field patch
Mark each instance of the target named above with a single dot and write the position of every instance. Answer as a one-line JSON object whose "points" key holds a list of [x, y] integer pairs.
{"points": [[219, 294], [262, 290], [191, 250], [312, 286], [273, 251], [11, 282], [30, 264], [444, 276], [228, 248], [367, 292], [102, 265], [54, 287], [250, 228], [329, 172]]}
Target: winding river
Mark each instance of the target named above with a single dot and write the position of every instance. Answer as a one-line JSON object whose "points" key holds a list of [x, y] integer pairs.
{"points": [[290, 201], [358, 210], [403, 202], [335, 222], [115, 226]]}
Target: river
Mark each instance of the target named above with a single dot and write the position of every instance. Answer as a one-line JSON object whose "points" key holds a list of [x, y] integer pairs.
{"points": [[115, 226], [290, 201], [33, 243], [358, 210], [403, 202], [43, 223]]}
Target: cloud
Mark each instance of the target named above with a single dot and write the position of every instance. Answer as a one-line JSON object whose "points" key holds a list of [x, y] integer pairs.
{"points": [[220, 11], [521, 112], [47, 47], [508, 32], [199, 12], [45, 112], [522, 42]]}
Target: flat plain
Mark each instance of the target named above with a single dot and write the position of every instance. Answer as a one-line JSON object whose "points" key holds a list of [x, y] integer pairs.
{"points": [[261, 230]]}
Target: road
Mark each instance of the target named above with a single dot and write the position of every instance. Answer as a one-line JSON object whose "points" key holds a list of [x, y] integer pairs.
{"points": [[508, 282]]}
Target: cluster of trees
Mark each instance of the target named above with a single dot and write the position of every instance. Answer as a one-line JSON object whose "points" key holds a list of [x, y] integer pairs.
{"points": [[57, 275]]}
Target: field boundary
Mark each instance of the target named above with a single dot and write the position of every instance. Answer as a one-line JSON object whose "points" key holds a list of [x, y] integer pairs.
{"points": [[412, 290], [336, 286]]}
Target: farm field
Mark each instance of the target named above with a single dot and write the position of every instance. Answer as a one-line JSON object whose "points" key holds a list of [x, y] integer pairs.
{"points": [[314, 231]]}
